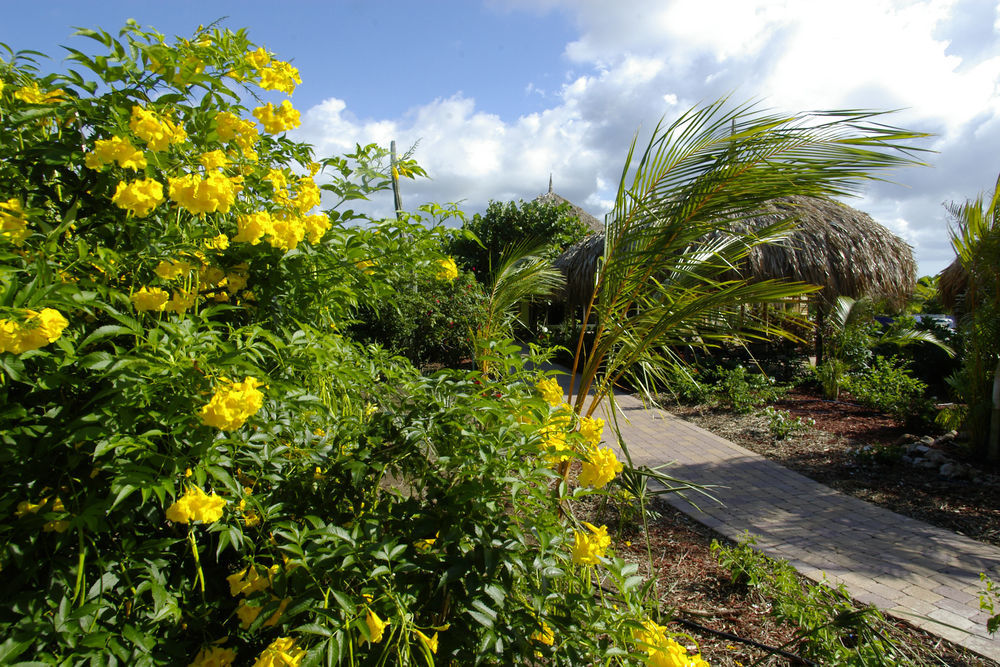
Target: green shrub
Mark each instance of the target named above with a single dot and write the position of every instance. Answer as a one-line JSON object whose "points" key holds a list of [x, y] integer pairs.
{"points": [[428, 321], [888, 386], [743, 391], [504, 226]]}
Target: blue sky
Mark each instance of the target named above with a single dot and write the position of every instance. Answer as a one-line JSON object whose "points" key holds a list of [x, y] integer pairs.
{"points": [[501, 93]]}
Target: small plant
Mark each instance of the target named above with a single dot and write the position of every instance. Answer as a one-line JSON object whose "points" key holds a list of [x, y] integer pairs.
{"points": [[988, 598], [782, 424], [744, 391]]}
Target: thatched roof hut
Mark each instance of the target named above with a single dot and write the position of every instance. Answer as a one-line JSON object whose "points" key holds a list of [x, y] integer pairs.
{"points": [[952, 283], [553, 199], [834, 246]]}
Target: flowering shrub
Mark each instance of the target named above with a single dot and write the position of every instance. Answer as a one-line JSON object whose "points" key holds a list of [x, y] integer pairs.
{"points": [[198, 465]]}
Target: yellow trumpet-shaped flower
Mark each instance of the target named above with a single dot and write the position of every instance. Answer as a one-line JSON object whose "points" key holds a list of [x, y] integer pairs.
{"points": [[196, 505], [600, 468], [376, 626], [589, 548], [232, 404], [551, 391]]}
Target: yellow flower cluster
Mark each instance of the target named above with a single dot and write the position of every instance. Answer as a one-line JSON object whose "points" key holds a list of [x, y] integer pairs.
{"points": [[281, 653], [170, 269], [199, 195], [117, 150], [544, 636], [232, 404], [259, 59], [281, 76], [283, 230], [308, 196], [196, 505], [37, 330], [277, 120], [213, 160], [138, 197], [589, 548], [599, 468], [231, 127], [592, 430], [550, 390], [32, 94], [157, 131], [25, 507], [13, 223], [250, 581], [664, 651], [214, 656], [447, 270]]}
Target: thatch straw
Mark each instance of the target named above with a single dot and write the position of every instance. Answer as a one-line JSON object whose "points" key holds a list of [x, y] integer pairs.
{"points": [[952, 283], [836, 247], [552, 199]]}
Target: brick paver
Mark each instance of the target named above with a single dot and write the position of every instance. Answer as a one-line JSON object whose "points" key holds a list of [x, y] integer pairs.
{"points": [[912, 570]]}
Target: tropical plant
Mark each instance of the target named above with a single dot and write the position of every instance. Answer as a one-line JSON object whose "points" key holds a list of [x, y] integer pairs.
{"points": [[976, 240], [852, 334], [671, 243], [522, 273]]}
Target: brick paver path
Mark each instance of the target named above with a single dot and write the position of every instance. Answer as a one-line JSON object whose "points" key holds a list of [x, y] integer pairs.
{"points": [[921, 573]]}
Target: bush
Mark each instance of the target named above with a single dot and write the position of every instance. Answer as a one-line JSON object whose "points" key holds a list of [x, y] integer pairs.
{"points": [[504, 226], [198, 465], [429, 321], [888, 386], [782, 424], [743, 391]]}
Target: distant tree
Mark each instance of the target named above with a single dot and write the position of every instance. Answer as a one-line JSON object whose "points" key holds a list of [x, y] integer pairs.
{"points": [[505, 226]]}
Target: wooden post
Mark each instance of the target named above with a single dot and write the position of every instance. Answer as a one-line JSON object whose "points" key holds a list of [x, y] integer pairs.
{"points": [[396, 198]]}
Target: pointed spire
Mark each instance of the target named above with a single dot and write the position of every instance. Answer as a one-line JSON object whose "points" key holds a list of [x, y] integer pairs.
{"points": [[550, 181]]}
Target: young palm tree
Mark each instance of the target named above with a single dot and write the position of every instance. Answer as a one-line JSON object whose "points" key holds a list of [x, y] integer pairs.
{"points": [[671, 249]]}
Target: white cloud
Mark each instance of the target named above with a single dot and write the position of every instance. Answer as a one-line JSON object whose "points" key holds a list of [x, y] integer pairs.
{"points": [[635, 60]]}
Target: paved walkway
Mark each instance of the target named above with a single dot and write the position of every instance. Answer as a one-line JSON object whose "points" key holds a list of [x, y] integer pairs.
{"points": [[921, 573]]}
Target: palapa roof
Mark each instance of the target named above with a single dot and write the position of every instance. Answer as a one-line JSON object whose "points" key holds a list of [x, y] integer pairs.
{"points": [[952, 283], [834, 246], [553, 199]]}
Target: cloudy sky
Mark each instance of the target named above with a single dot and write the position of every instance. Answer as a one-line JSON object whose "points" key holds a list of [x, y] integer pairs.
{"points": [[499, 94]]}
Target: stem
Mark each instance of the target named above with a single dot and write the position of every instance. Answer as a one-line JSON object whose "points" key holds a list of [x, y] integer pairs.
{"points": [[197, 561]]}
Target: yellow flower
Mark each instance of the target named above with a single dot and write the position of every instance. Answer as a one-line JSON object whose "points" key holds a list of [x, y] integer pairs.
{"points": [[196, 505], [589, 548], [591, 430], [664, 651], [181, 301], [308, 195], [430, 642], [232, 404], [214, 656], [32, 94], [259, 59], [600, 468], [554, 442], [252, 226], [544, 636], [249, 580], [376, 626], [13, 222], [425, 545], [55, 526], [316, 226], [220, 242], [279, 76], [550, 390], [365, 266], [281, 653], [213, 160], [150, 298], [139, 197], [447, 270], [38, 330], [170, 269], [274, 121], [25, 507], [117, 150], [198, 196], [157, 131]]}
